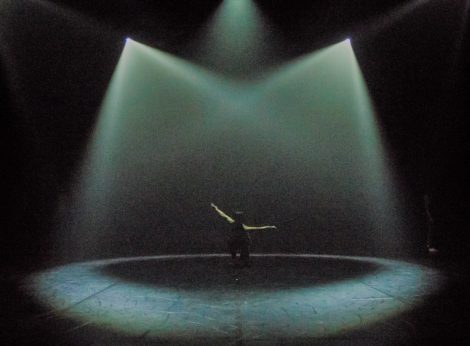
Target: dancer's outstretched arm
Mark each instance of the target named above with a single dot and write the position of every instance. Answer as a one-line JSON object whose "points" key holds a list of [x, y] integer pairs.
{"points": [[250, 228], [221, 213]]}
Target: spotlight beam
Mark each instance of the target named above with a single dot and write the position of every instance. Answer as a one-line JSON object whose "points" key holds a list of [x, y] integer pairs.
{"points": [[235, 39], [171, 133]]}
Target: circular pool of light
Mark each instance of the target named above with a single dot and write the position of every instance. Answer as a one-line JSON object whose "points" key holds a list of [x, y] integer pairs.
{"points": [[202, 297]]}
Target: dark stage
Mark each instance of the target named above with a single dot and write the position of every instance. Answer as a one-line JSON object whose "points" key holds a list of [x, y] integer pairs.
{"points": [[327, 142]]}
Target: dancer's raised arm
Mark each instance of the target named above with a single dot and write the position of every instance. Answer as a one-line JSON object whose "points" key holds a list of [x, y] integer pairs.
{"points": [[221, 213], [251, 228]]}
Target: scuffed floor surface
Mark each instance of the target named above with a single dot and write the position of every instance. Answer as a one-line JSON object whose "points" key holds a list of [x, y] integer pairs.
{"points": [[203, 299]]}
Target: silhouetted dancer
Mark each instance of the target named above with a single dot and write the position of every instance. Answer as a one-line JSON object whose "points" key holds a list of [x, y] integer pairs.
{"points": [[239, 240]]}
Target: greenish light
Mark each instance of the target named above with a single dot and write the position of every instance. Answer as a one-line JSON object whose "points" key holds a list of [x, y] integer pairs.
{"points": [[320, 101], [172, 137], [154, 109], [382, 187], [235, 41]]}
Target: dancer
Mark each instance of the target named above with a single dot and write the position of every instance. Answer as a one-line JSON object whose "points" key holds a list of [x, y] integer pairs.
{"points": [[239, 240]]}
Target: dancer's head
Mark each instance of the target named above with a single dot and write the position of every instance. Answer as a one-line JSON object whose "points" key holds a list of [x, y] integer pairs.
{"points": [[239, 216]]}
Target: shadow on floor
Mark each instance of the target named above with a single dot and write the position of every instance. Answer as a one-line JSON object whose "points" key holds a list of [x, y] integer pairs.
{"points": [[214, 272]]}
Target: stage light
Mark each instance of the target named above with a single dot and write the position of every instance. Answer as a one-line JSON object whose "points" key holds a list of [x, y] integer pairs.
{"points": [[89, 293], [235, 40], [170, 133], [382, 22], [322, 102], [149, 116]]}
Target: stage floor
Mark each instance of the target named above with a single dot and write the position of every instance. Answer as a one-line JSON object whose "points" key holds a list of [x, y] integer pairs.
{"points": [[204, 299]]}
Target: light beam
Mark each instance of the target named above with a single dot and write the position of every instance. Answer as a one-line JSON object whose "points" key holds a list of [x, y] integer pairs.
{"points": [[235, 40], [171, 137]]}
